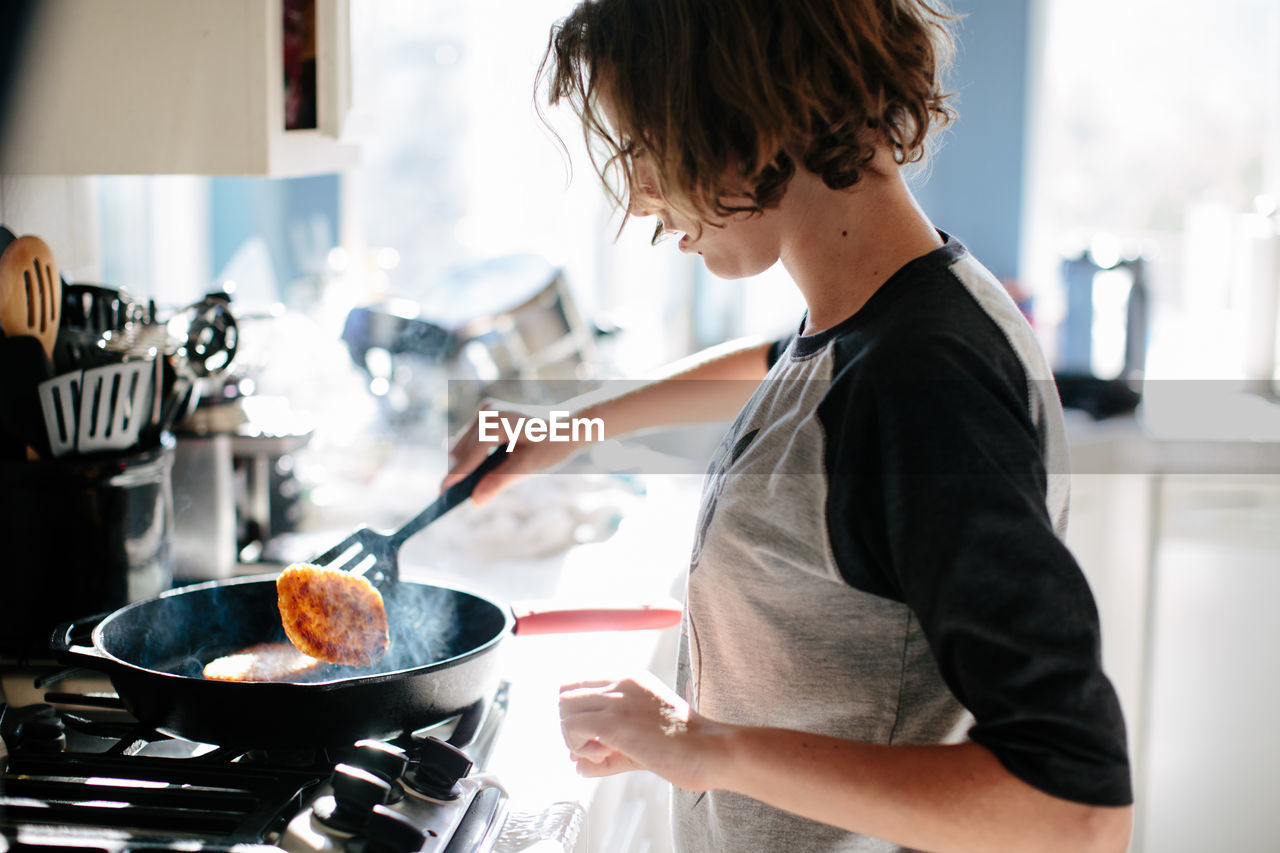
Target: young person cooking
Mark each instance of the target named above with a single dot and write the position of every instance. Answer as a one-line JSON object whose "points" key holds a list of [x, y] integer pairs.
{"points": [[886, 645]]}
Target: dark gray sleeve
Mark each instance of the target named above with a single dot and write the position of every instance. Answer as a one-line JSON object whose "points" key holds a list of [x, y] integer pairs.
{"points": [[937, 499]]}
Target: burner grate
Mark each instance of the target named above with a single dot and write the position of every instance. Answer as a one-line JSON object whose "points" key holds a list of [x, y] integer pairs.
{"points": [[188, 797], [104, 781], [80, 771]]}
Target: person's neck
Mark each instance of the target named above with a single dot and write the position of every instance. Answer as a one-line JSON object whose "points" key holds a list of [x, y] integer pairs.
{"points": [[840, 246]]}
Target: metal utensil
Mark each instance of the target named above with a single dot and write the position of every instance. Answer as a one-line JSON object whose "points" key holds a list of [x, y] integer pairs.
{"points": [[209, 334], [60, 401], [30, 291], [113, 405], [102, 408], [375, 555]]}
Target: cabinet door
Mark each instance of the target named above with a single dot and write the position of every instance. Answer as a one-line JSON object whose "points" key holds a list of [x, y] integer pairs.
{"points": [[173, 87], [1211, 767]]}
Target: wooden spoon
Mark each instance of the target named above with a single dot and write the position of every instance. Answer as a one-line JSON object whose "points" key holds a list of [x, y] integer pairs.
{"points": [[30, 291]]}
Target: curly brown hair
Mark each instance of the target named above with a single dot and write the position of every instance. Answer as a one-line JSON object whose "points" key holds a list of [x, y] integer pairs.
{"points": [[727, 95]]}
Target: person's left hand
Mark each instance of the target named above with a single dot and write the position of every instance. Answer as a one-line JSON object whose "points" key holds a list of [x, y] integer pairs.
{"points": [[639, 723]]}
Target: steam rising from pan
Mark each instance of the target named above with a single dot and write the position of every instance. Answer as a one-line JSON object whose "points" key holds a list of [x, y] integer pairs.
{"points": [[424, 630]]}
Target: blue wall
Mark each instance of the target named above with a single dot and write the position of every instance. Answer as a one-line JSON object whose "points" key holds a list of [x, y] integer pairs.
{"points": [[973, 188], [280, 212]]}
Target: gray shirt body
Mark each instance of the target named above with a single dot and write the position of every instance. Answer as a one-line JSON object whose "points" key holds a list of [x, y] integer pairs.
{"points": [[815, 600]]}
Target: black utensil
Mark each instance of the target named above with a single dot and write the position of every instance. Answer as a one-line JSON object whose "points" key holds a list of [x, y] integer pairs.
{"points": [[375, 555], [97, 308], [23, 366]]}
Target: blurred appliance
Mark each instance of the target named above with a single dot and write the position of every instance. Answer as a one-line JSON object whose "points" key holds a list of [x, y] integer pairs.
{"points": [[234, 483], [504, 320], [1105, 330], [233, 475], [1102, 342], [204, 508], [1257, 266]]}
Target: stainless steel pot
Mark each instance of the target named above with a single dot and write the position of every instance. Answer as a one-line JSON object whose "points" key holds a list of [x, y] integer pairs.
{"points": [[502, 321]]}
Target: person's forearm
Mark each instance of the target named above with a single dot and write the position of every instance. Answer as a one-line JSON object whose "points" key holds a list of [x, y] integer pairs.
{"points": [[709, 386], [936, 798]]}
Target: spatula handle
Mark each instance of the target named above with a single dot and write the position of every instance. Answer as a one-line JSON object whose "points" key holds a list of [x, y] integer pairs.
{"points": [[450, 497]]}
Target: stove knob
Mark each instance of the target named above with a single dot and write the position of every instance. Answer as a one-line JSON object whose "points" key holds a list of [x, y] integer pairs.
{"points": [[440, 766], [379, 758], [388, 831], [34, 728], [355, 793]]}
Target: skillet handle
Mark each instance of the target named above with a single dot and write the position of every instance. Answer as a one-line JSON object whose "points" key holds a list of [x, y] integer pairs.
{"points": [[553, 619], [67, 638]]}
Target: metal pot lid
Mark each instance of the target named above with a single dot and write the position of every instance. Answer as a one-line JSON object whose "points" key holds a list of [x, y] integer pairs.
{"points": [[486, 290]]}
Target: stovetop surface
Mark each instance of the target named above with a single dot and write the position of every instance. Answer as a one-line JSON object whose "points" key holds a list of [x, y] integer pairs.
{"points": [[79, 771]]}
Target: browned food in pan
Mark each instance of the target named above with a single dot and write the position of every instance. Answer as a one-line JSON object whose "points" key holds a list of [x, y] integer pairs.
{"points": [[263, 662], [332, 615]]}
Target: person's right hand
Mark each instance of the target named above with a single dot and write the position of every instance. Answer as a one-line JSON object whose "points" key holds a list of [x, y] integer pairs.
{"points": [[527, 458]]}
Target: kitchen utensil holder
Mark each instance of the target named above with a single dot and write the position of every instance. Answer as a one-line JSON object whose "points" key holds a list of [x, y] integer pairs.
{"points": [[84, 535]]}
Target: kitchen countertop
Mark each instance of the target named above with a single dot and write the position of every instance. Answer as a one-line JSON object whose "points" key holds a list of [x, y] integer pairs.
{"points": [[1181, 428]]}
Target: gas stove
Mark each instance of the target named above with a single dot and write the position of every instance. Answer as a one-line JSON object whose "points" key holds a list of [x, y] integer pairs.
{"points": [[80, 773]]}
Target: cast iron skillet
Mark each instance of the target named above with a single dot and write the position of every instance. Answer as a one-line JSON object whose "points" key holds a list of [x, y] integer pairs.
{"points": [[442, 660]]}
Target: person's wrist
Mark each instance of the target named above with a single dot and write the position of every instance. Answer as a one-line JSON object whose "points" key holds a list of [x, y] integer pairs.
{"points": [[719, 745], [594, 411]]}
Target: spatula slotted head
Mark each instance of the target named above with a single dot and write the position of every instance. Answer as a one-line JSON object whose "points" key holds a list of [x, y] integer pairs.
{"points": [[365, 552], [30, 291], [332, 615]]}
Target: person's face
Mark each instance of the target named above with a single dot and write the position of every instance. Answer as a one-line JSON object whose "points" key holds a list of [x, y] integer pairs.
{"points": [[741, 245]]}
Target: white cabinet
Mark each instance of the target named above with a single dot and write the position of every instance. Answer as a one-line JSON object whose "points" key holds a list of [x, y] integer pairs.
{"points": [[1211, 771], [1186, 572], [174, 87]]}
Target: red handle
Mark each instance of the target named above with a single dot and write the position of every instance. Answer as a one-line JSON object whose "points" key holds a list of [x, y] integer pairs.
{"points": [[553, 619]]}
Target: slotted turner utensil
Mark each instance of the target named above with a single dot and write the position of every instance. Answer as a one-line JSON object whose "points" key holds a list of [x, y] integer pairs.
{"points": [[113, 405], [101, 408], [376, 555]]}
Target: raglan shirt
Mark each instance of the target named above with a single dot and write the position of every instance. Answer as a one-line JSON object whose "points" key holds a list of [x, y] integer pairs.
{"points": [[879, 557]]}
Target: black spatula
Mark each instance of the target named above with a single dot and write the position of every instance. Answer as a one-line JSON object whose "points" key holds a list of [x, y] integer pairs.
{"points": [[375, 555]]}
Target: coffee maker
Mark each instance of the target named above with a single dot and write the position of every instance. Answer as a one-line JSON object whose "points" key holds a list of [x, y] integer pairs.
{"points": [[1102, 342]]}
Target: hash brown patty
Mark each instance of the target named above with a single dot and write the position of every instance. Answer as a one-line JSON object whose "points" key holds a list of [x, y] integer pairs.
{"points": [[263, 662], [332, 615]]}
